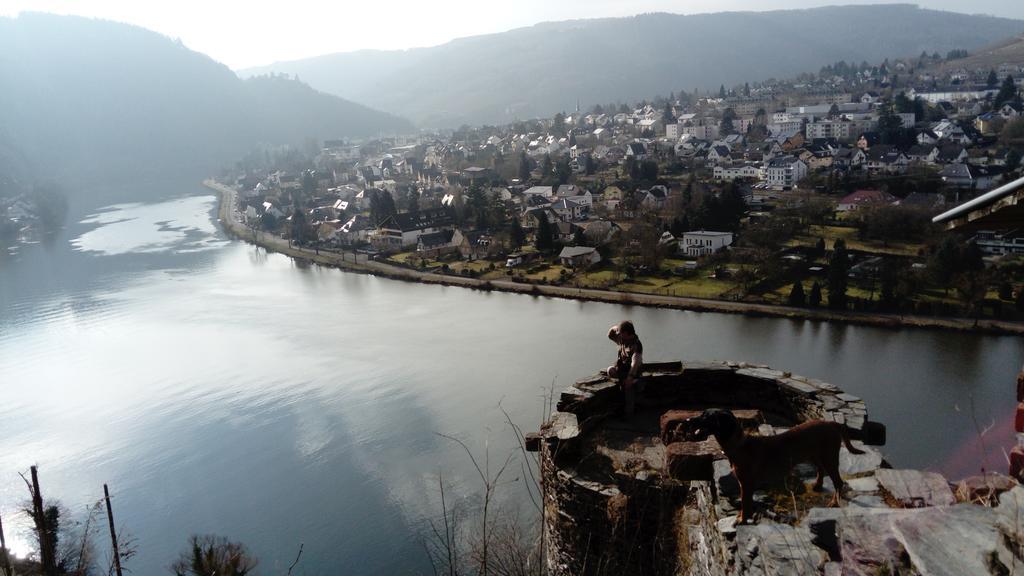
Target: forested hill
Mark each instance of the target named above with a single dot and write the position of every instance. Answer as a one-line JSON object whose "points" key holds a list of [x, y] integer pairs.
{"points": [[97, 100], [542, 69]]}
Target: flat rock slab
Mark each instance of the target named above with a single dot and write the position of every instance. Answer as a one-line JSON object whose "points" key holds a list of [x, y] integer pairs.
{"points": [[866, 484], [867, 542], [799, 386], [662, 367], [709, 366], [915, 488], [951, 540], [1011, 511], [961, 539], [595, 379], [868, 501], [771, 549], [564, 426], [688, 461], [850, 464]]}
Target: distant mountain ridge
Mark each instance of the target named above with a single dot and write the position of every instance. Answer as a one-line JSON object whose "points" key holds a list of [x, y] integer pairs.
{"points": [[542, 69], [92, 99]]}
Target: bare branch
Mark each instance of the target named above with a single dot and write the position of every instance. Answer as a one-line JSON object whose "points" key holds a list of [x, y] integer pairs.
{"points": [[468, 453], [297, 556]]}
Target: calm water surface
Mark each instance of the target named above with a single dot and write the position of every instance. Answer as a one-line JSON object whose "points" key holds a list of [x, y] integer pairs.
{"points": [[221, 389]]}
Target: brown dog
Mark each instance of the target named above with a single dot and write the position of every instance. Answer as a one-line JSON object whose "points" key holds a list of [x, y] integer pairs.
{"points": [[756, 459]]}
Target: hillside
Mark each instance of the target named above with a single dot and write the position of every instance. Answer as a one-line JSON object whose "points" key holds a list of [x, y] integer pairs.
{"points": [[545, 68], [1010, 51], [98, 100]]}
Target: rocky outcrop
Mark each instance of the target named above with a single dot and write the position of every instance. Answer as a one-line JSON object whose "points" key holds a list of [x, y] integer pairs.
{"points": [[624, 496]]}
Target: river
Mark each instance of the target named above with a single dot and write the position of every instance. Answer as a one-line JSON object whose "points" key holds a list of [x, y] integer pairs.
{"points": [[220, 389]]}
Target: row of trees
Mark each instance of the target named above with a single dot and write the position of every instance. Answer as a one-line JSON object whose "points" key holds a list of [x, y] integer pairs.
{"points": [[953, 264]]}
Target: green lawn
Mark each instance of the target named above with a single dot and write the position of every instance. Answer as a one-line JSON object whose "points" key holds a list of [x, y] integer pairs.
{"points": [[551, 272], [695, 287], [479, 266], [412, 259], [404, 258], [598, 279]]}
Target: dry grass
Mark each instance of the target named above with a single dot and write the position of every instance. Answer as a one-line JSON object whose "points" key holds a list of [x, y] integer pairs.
{"points": [[849, 235], [552, 272], [795, 503]]}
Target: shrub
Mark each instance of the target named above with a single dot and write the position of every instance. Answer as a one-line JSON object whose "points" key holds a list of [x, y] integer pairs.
{"points": [[210, 554]]}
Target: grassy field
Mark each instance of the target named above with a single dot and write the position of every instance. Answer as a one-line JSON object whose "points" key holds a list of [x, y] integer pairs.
{"points": [[412, 259], [549, 273], [694, 287], [598, 278], [478, 266], [849, 235], [403, 258]]}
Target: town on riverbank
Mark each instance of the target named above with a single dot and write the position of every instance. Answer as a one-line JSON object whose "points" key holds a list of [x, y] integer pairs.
{"points": [[811, 197]]}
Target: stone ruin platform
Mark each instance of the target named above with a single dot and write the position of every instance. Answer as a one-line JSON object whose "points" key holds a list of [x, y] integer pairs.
{"points": [[630, 496]]}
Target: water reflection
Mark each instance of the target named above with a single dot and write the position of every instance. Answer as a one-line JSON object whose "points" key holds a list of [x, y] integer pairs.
{"points": [[182, 226], [238, 392]]}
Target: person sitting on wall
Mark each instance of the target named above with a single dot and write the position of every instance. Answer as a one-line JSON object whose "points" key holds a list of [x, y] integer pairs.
{"points": [[629, 364]]}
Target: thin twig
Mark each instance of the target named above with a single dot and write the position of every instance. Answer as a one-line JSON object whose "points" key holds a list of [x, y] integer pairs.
{"points": [[297, 556]]}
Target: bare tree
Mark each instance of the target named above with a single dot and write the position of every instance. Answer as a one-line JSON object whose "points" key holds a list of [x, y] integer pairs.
{"points": [[443, 548], [490, 482], [127, 548]]}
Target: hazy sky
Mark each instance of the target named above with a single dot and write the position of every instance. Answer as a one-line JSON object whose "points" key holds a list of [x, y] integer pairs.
{"points": [[242, 33]]}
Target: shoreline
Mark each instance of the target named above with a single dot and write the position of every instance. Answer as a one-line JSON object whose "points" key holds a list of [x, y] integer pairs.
{"points": [[227, 216]]}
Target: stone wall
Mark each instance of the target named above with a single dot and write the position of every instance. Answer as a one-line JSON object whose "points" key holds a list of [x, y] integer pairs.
{"points": [[604, 518]]}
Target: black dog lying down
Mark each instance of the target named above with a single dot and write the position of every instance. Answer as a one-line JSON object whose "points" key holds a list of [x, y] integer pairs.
{"points": [[756, 459]]}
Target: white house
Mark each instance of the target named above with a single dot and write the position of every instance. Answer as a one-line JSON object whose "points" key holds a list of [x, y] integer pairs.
{"points": [[864, 198], [576, 194], [719, 154], [654, 199], [636, 150], [950, 131], [729, 173], [542, 191], [849, 158], [784, 172], [403, 230], [1009, 111], [568, 209], [1011, 242], [251, 214], [704, 242], [699, 129], [269, 208], [439, 242], [887, 159]]}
